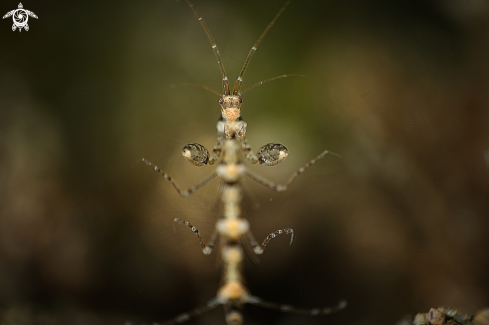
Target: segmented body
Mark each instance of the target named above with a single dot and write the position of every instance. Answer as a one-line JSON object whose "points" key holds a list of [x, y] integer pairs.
{"points": [[232, 150]]}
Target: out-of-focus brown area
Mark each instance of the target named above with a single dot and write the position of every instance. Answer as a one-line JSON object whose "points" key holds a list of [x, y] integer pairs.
{"points": [[399, 224], [451, 316]]}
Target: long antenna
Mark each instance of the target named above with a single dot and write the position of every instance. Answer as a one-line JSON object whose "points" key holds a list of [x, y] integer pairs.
{"points": [[266, 80], [225, 81], [239, 81]]}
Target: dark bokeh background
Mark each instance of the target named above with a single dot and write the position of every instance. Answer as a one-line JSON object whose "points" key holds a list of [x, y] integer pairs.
{"points": [[399, 224]]}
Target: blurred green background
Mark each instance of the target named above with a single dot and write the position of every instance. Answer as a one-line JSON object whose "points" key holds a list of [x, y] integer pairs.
{"points": [[399, 224]]}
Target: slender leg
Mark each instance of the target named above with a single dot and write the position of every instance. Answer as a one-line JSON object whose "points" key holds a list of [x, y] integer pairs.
{"points": [[253, 300], [294, 310], [206, 249], [259, 249], [185, 193], [282, 188], [248, 152], [216, 151], [183, 317]]}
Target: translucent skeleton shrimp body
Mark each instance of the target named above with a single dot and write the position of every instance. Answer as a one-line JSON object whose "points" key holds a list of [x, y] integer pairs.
{"points": [[230, 148]]}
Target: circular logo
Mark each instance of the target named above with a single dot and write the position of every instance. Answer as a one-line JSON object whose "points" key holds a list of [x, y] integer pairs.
{"points": [[20, 17]]}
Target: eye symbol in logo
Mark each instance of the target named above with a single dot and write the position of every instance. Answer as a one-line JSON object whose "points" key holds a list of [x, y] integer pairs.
{"points": [[20, 17]]}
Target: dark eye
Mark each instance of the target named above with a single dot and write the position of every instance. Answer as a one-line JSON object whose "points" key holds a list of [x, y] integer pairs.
{"points": [[240, 100], [221, 101]]}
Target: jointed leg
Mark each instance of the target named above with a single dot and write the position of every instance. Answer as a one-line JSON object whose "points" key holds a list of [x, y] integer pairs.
{"points": [[282, 188], [248, 152], [259, 249], [185, 193], [183, 317], [206, 249], [216, 151], [294, 310]]}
